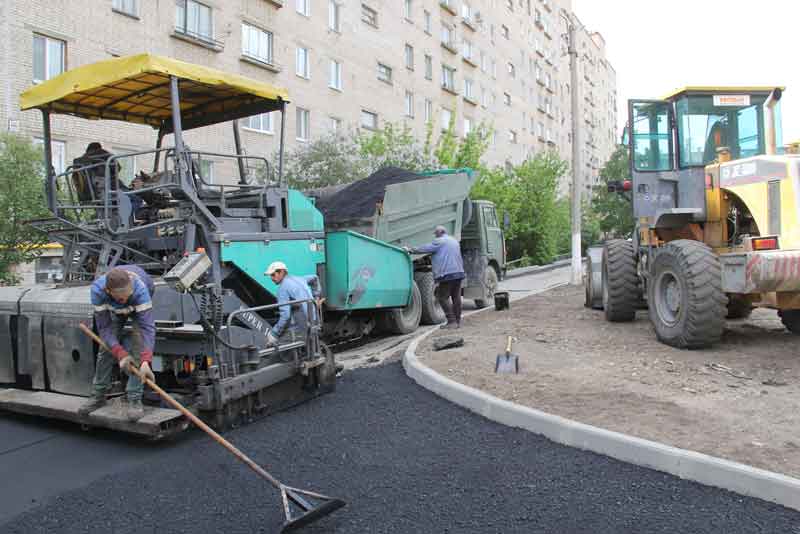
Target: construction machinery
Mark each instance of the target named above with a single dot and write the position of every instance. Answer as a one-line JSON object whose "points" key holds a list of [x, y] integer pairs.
{"points": [[207, 244], [716, 210]]}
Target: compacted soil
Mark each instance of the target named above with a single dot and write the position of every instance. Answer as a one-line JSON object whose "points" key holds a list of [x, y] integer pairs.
{"points": [[739, 400]]}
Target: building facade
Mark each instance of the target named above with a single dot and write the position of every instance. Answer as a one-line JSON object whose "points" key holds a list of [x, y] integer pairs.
{"points": [[347, 64]]}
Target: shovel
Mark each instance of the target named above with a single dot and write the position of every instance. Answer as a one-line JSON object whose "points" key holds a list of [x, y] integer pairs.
{"points": [[298, 505], [507, 362]]}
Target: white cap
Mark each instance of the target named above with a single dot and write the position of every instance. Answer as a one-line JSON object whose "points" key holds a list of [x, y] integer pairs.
{"points": [[276, 266], [439, 230]]}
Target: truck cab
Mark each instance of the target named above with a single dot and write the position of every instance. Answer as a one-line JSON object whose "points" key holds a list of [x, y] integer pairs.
{"points": [[484, 251]]}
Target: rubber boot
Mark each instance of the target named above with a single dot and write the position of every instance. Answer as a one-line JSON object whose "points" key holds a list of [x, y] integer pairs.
{"points": [[95, 402]]}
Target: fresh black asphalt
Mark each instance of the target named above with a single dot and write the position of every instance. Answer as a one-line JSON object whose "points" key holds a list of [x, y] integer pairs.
{"points": [[404, 460]]}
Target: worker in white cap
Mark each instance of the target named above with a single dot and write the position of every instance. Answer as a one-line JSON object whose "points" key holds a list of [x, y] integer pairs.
{"points": [[291, 288]]}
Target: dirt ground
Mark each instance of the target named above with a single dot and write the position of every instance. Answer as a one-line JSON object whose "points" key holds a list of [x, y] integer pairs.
{"points": [[739, 400]]}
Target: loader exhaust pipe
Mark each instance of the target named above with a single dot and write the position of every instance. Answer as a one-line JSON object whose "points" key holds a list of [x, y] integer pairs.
{"points": [[769, 121]]}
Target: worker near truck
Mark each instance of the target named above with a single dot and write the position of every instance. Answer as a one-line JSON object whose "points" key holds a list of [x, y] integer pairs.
{"points": [[124, 293], [448, 272], [291, 288]]}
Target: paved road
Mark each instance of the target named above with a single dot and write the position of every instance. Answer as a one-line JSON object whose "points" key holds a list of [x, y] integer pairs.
{"points": [[405, 460]]}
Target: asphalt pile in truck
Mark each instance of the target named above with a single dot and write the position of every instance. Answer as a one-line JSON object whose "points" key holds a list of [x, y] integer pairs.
{"points": [[359, 199]]}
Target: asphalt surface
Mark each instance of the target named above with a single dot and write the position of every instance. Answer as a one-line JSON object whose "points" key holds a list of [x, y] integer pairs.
{"points": [[405, 460]]}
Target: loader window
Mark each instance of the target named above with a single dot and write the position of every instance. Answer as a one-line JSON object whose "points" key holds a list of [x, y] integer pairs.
{"points": [[703, 127], [651, 138]]}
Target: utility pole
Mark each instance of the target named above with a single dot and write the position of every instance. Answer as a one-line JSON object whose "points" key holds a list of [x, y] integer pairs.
{"points": [[577, 186]]}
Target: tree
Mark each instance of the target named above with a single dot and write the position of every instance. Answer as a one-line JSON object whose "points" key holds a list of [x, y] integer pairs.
{"points": [[611, 213], [21, 198]]}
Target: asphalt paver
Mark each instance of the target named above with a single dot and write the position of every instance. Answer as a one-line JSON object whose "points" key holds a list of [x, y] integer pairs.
{"points": [[405, 461]]}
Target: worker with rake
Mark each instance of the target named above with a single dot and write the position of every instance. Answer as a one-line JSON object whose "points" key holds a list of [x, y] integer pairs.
{"points": [[123, 293]]}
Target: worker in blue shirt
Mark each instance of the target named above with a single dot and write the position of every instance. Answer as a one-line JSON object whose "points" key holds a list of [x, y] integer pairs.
{"points": [[448, 272], [291, 288]]}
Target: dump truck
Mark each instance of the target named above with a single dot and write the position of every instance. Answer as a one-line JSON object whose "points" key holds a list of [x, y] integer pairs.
{"points": [[207, 245], [716, 210]]}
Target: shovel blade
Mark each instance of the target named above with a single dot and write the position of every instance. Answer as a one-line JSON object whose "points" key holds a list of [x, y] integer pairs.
{"points": [[506, 363], [304, 507]]}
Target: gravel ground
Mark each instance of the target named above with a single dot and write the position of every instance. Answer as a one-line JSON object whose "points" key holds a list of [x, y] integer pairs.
{"points": [[738, 400], [406, 462]]}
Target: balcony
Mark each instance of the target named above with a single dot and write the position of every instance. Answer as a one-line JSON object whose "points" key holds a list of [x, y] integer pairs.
{"points": [[470, 61], [276, 3], [448, 5], [450, 47], [469, 23]]}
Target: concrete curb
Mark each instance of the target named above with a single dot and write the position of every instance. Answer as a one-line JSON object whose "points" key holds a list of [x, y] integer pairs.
{"points": [[522, 271], [689, 465]]}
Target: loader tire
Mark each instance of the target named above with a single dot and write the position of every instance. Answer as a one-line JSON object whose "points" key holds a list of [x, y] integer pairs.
{"points": [[791, 320], [738, 308], [404, 320], [491, 281], [432, 312], [620, 282], [685, 297]]}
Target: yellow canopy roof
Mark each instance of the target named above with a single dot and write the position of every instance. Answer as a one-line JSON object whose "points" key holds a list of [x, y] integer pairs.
{"points": [[137, 89], [710, 89]]}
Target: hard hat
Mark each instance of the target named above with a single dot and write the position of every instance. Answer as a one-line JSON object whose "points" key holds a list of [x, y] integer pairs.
{"points": [[276, 266]]}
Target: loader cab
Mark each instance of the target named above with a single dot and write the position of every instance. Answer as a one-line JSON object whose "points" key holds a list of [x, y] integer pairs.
{"points": [[672, 140]]}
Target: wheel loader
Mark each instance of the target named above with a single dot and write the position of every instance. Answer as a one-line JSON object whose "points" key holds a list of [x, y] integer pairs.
{"points": [[716, 210]]}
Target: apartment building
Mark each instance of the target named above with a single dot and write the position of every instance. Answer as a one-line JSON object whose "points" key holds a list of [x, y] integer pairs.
{"points": [[347, 64]]}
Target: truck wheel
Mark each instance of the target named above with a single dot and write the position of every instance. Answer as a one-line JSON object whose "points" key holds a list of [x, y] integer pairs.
{"points": [[491, 282], [620, 283], [404, 320], [685, 297], [432, 312], [738, 308], [791, 320]]}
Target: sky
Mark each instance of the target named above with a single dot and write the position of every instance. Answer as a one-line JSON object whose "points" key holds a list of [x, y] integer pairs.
{"points": [[656, 46]]}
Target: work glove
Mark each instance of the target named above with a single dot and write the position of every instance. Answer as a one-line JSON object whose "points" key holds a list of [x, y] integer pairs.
{"points": [[125, 362], [272, 339], [146, 373]]}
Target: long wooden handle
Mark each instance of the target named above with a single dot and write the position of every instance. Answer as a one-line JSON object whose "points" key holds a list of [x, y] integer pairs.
{"points": [[508, 345], [192, 417]]}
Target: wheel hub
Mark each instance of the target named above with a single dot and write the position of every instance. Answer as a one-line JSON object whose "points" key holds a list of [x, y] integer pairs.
{"points": [[668, 304]]}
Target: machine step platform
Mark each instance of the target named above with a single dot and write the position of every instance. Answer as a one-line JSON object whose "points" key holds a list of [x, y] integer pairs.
{"points": [[157, 423]]}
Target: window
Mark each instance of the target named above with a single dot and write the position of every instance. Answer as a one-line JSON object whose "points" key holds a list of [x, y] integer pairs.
{"points": [[58, 155], [128, 7], [467, 126], [427, 22], [510, 5], [260, 123], [504, 31], [466, 11], [494, 69], [384, 73], [446, 118], [448, 77], [448, 35], [469, 91], [369, 120], [407, 9], [334, 16], [128, 165], [540, 130], [335, 81], [409, 104], [484, 96], [303, 68], [428, 110], [483, 61], [303, 7], [507, 99], [428, 67], [336, 124], [512, 137], [409, 55], [369, 15], [466, 49], [512, 71], [303, 120], [257, 43], [48, 57], [206, 169], [194, 19]]}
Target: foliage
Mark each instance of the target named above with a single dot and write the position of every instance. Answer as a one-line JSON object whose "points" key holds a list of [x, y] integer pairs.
{"points": [[529, 194], [21, 199], [611, 214], [329, 160]]}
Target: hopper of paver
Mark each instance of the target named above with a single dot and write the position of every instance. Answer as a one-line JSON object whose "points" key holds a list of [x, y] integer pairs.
{"points": [[400, 207]]}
